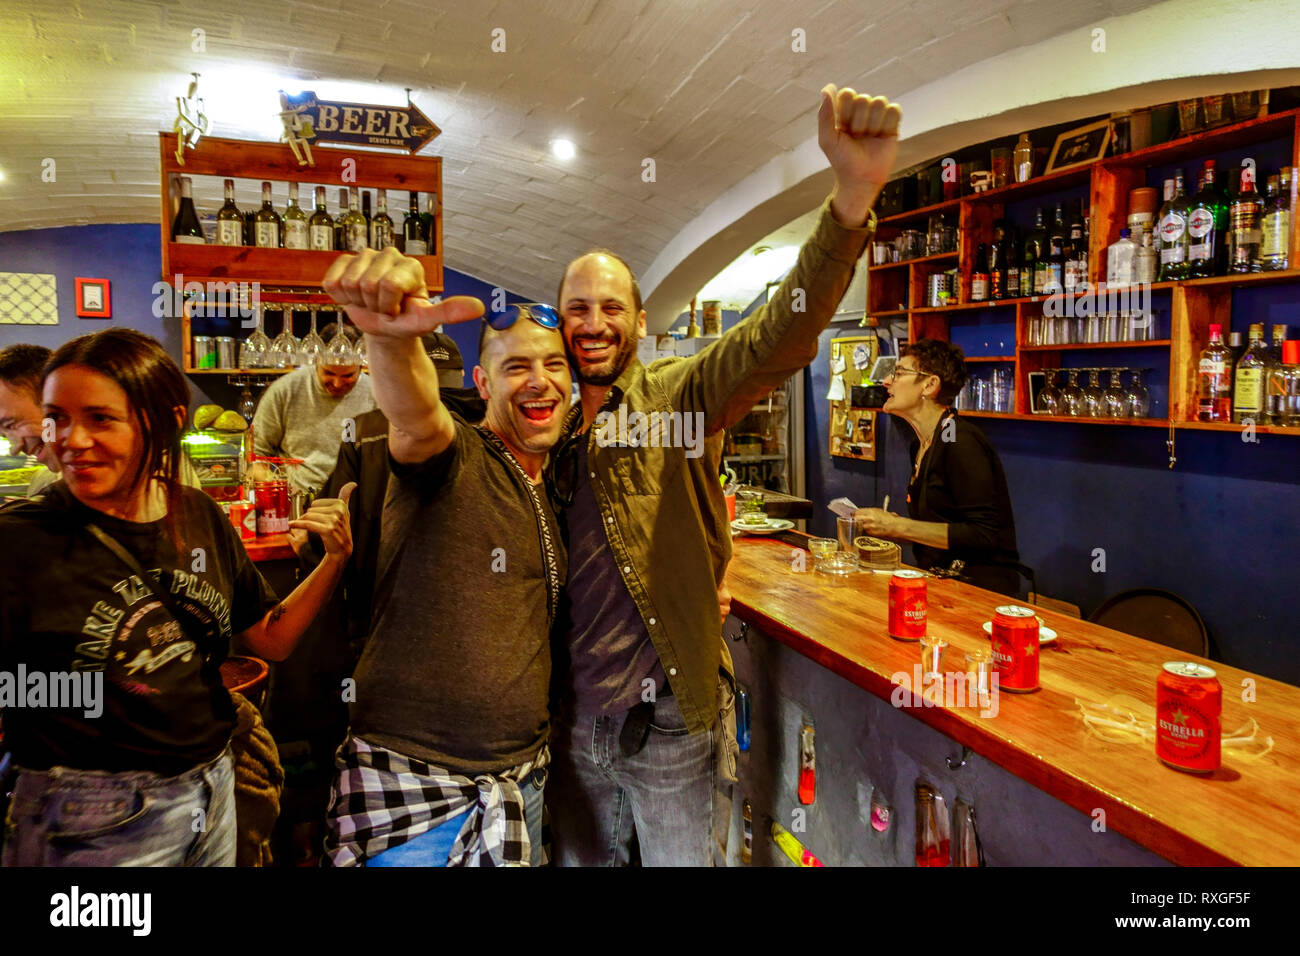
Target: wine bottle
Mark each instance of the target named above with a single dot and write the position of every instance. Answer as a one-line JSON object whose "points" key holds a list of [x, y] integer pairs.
{"points": [[354, 224], [267, 222], [412, 231], [365, 211], [429, 225], [321, 224], [340, 234], [230, 224], [381, 227], [186, 227], [295, 222]]}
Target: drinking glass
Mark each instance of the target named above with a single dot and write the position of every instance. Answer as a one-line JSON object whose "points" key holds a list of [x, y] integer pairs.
{"points": [[339, 351], [845, 531], [312, 345], [1115, 396], [284, 349], [1072, 394], [253, 351], [1139, 398], [750, 507], [1049, 399], [1094, 398]]}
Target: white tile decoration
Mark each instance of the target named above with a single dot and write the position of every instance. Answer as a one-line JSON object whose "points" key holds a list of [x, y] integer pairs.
{"points": [[28, 298]]}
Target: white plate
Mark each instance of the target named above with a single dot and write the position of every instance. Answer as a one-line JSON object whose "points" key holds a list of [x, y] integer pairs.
{"points": [[768, 527], [1045, 634]]}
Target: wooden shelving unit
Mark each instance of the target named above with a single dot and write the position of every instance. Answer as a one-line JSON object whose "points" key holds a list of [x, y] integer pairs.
{"points": [[896, 289], [299, 271]]}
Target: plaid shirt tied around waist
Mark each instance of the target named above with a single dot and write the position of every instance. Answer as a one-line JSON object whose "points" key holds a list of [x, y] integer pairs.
{"points": [[381, 799]]}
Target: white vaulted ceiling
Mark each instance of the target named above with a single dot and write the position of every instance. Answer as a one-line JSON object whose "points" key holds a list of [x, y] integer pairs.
{"points": [[711, 91]]}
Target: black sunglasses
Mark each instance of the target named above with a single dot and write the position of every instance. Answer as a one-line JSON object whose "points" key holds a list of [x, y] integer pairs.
{"points": [[544, 315]]}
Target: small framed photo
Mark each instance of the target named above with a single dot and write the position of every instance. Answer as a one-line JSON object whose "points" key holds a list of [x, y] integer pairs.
{"points": [[93, 299], [1078, 146]]}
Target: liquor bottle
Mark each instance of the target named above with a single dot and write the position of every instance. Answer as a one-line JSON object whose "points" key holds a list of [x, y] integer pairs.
{"points": [[1207, 223], [1076, 257], [1083, 254], [1248, 381], [354, 224], [1037, 245], [429, 225], [340, 235], [1172, 224], [381, 227], [365, 211], [1059, 231], [230, 223], [996, 255], [250, 227], [1012, 260], [1028, 266], [1214, 380], [1243, 226], [416, 245], [1120, 263], [295, 222], [1055, 267], [1275, 226], [266, 224], [1236, 347], [186, 227], [320, 228], [1274, 386], [979, 276], [932, 846], [1146, 264]]}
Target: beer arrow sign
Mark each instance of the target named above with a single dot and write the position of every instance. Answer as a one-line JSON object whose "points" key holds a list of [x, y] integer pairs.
{"points": [[360, 124]]}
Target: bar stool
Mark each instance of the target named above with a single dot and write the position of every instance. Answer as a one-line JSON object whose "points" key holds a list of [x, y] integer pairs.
{"points": [[1155, 615]]}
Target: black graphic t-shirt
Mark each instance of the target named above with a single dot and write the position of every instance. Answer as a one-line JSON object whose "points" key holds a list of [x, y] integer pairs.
{"points": [[68, 604]]}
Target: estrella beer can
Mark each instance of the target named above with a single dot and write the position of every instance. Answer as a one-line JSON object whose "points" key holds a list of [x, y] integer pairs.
{"points": [[908, 609], [1015, 648], [1189, 702]]}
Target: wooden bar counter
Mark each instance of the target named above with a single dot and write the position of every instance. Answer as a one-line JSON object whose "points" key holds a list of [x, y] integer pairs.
{"points": [[1245, 813]]}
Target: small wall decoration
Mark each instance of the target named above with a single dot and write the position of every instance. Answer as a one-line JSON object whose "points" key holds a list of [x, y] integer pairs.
{"points": [[853, 429], [28, 298], [191, 121], [1078, 146], [92, 299]]}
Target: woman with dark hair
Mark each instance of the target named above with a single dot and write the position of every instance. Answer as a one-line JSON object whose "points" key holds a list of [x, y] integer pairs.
{"points": [[120, 592], [957, 499]]}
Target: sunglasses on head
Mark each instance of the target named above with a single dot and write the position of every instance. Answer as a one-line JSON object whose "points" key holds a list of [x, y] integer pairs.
{"points": [[543, 315]]}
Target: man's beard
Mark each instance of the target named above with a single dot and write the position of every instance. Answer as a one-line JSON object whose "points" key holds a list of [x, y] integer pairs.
{"points": [[590, 376]]}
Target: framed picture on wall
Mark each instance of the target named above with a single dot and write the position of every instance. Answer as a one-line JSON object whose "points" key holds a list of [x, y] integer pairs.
{"points": [[1078, 146], [93, 299]]}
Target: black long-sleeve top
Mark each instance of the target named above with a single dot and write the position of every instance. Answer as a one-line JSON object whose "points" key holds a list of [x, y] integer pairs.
{"points": [[961, 484]]}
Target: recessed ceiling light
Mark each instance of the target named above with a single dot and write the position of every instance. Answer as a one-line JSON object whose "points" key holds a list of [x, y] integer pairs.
{"points": [[563, 149]]}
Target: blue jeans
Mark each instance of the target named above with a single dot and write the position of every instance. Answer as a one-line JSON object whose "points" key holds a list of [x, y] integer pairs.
{"points": [[66, 817], [662, 796], [432, 847]]}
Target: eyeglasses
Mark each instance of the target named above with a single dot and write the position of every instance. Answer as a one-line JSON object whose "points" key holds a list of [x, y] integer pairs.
{"points": [[543, 315], [907, 371]]}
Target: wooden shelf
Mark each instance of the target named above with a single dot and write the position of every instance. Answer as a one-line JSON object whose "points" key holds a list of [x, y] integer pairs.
{"points": [[1070, 419], [292, 267], [1047, 183], [1257, 130], [240, 371], [1234, 427], [1150, 343], [919, 260], [969, 306], [990, 358], [925, 212]]}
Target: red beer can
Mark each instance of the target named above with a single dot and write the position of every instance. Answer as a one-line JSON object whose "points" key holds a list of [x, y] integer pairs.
{"points": [[244, 517], [1189, 702], [907, 605], [1015, 648], [272, 506]]}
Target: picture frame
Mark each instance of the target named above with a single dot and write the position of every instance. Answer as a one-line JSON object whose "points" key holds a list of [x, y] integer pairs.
{"points": [[1079, 146], [93, 300]]}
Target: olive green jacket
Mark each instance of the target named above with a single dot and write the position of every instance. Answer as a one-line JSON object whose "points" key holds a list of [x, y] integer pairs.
{"points": [[664, 512]]}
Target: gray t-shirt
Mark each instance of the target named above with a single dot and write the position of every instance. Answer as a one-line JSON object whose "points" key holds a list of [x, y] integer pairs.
{"points": [[458, 666], [297, 418], [610, 651]]}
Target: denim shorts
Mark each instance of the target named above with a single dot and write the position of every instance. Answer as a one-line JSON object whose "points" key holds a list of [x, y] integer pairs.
{"points": [[67, 817]]}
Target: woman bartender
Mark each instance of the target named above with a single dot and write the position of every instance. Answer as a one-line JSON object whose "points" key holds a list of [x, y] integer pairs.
{"points": [[957, 495]]}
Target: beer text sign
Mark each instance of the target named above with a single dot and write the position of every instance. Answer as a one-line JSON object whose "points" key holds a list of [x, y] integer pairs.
{"points": [[361, 124]]}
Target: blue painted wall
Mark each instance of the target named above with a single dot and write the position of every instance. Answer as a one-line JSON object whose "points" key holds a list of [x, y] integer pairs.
{"points": [[130, 258]]}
